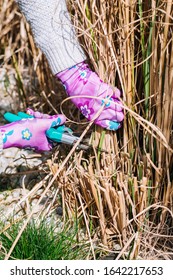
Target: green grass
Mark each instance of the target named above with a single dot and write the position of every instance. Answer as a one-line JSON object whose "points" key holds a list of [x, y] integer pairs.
{"points": [[43, 243]]}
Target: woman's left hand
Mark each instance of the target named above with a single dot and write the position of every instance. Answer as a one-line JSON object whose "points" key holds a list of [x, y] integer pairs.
{"points": [[89, 93]]}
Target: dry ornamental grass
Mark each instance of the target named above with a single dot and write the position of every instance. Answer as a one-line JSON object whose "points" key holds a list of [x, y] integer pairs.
{"points": [[123, 196]]}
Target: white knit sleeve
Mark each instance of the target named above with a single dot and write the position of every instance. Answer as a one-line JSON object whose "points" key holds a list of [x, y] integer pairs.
{"points": [[53, 32]]}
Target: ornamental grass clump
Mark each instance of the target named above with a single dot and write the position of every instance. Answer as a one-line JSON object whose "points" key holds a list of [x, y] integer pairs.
{"points": [[42, 241], [123, 198]]}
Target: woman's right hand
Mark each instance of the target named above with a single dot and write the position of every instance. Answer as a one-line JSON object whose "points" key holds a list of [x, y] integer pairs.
{"points": [[30, 132]]}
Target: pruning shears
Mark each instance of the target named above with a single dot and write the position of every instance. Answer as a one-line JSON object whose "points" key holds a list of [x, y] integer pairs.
{"points": [[63, 134], [60, 134]]}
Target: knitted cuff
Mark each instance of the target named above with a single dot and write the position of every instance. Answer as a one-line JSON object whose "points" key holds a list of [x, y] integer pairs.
{"points": [[53, 32]]}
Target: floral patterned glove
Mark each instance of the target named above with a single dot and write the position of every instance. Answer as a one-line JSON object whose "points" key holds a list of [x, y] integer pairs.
{"points": [[30, 132], [83, 84]]}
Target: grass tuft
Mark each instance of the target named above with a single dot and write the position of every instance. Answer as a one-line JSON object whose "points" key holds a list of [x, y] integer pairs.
{"points": [[43, 242]]}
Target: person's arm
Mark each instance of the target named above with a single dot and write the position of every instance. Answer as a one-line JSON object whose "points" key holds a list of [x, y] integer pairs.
{"points": [[53, 32], [55, 35]]}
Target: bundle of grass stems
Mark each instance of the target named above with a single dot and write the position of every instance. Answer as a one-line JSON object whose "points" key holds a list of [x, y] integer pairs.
{"points": [[123, 196]]}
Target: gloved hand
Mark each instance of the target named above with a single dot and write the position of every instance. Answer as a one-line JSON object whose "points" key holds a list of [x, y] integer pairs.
{"points": [[30, 132], [79, 82]]}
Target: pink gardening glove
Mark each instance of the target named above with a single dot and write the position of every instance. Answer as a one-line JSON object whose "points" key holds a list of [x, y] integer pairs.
{"points": [[30, 132], [79, 80]]}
